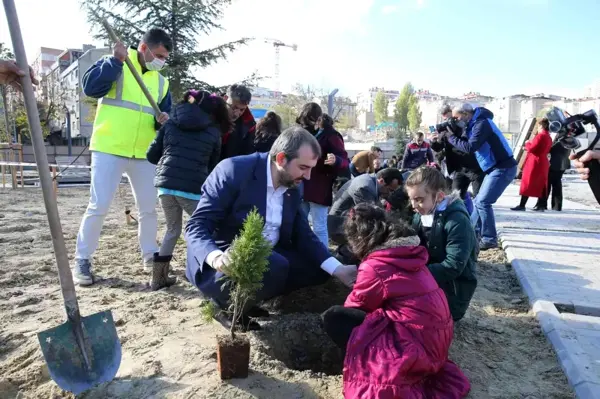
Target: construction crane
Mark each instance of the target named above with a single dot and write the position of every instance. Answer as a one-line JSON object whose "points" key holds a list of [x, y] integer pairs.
{"points": [[278, 44]]}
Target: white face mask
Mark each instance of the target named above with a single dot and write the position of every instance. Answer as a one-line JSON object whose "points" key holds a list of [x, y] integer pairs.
{"points": [[155, 64], [427, 220]]}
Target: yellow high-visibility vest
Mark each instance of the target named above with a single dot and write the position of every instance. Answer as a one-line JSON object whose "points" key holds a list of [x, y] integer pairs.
{"points": [[124, 123]]}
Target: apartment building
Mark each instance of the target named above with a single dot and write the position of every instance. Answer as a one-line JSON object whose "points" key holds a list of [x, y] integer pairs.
{"points": [[263, 98], [42, 66], [81, 109]]}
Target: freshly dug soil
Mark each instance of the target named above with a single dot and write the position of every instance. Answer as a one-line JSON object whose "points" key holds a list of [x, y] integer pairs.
{"points": [[233, 356], [170, 352]]}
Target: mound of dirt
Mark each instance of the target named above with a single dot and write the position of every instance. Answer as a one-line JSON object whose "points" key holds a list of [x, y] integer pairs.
{"points": [[170, 352], [300, 343]]}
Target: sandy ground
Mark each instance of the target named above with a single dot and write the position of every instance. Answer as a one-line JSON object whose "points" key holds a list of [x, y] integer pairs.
{"points": [[169, 351]]}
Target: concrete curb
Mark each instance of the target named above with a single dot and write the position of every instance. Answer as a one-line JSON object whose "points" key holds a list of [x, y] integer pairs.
{"points": [[555, 330]]}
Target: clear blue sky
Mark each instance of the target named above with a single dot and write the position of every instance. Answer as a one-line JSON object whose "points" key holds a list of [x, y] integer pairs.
{"points": [[500, 47], [496, 47]]}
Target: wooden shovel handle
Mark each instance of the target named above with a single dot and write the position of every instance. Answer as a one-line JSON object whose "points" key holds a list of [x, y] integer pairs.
{"points": [[41, 158], [136, 75]]}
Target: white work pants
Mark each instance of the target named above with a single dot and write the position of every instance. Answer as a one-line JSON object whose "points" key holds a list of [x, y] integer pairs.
{"points": [[107, 170]]}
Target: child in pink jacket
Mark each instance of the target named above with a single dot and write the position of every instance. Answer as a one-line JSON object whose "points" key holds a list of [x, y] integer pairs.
{"points": [[395, 325]]}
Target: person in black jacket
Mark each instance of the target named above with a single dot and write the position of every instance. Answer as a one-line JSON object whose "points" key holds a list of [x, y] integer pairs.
{"points": [[185, 151], [267, 130], [456, 160], [559, 163]]}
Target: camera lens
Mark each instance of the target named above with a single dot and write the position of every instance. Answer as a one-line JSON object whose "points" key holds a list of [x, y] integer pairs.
{"points": [[555, 126]]}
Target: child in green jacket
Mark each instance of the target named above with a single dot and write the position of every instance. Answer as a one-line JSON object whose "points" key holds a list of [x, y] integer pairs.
{"points": [[445, 229]]}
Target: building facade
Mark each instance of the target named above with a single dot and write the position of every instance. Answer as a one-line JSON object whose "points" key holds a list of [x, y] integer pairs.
{"points": [[81, 108], [42, 66], [263, 98]]}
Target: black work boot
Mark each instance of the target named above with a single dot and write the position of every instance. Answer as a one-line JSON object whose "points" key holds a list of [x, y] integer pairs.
{"points": [[160, 272]]}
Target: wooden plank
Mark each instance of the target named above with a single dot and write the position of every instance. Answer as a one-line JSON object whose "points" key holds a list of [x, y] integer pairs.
{"points": [[526, 131]]}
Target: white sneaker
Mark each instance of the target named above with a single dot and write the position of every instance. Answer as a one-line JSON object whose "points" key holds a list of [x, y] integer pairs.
{"points": [[82, 272]]}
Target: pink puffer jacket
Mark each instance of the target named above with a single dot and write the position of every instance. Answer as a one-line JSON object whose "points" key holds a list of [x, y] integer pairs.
{"points": [[401, 349]]}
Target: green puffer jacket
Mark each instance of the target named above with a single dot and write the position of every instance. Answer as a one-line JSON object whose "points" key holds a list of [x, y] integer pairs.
{"points": [[453, 251]]}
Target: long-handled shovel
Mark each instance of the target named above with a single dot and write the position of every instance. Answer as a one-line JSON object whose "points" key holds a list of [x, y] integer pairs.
{"points": [[113, 36], [84, 351]]}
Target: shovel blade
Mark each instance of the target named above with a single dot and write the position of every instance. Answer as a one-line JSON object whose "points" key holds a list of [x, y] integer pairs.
{"points": [[66, 363]]}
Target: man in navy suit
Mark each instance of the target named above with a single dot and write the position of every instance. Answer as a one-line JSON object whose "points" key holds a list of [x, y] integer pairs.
{"points": [[269, 182]]}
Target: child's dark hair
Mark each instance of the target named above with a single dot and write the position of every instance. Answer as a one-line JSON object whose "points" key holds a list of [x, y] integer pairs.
{"points": [[461, 183], [268, 126], [398, 200], [432, 178], [400, 205], [213, 105], [369, 227], [309, 115], [339, 183], [325, 122]]}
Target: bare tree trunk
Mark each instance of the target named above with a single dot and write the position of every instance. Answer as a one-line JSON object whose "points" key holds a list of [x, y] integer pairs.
{"points": [[5, 105]]}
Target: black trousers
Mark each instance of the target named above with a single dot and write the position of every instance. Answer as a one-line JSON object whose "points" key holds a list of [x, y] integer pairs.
{"points": [[554, 187], [476, 180], [339, 322]]}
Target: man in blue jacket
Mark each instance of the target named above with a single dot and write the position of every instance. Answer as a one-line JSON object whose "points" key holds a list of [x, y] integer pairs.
{"points": [[495, 157], [269, 182]]}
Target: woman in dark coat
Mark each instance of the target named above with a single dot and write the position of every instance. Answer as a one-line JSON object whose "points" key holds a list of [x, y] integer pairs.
{"points": [[559, 163], [267, 131], [534, 182], [318, 191]]}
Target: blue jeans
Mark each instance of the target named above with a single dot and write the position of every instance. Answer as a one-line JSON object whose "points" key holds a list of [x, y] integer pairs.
{"points": [[482, 218], [318, 216], [353, 171]]}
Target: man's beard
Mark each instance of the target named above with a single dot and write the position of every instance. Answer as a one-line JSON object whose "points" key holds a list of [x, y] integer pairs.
{"points": [[286, 179]]}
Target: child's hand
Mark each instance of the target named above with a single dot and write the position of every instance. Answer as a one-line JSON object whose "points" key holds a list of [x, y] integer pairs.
{"points": [[346, 274]]}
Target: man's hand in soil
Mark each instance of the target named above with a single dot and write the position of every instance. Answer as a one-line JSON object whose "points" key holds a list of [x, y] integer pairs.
{"points": [[11, 74], [346, 274], [583, 171]]}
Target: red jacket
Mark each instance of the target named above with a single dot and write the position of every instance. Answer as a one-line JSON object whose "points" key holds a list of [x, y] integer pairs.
{"points": [[534, 182], [401, 349], [319, 188]]}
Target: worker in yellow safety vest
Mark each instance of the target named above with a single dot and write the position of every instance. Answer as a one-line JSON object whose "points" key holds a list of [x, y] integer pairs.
{"points": [[124, 127]]}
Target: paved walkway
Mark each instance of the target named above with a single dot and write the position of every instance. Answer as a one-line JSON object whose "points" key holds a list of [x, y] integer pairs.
{"points": [[556, 256]]}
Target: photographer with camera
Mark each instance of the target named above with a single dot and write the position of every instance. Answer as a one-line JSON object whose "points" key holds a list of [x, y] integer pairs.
{"points": [[495, 157], [456, 160]]}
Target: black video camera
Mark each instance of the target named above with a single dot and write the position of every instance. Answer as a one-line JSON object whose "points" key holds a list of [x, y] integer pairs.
{"points": [[568, 127], [451, 124]]}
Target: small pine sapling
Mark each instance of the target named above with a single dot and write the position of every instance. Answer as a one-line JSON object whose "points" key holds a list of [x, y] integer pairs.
{"points": [[248, 262]]}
